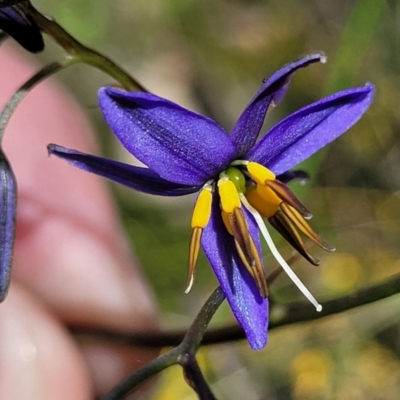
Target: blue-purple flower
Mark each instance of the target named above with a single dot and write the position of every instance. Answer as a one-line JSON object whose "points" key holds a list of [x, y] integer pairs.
{"points": [[17, 23], [8, 206], [237, 177]]}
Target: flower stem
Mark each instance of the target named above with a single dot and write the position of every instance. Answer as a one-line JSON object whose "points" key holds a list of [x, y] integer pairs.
{"points": [[196, 331], [183, 354], [151, 368], [19, 95], [82, 53], [195, 379]]}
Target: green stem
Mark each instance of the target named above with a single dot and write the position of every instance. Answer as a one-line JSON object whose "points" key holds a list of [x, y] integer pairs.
{"points": [[285, 315], [19, 95], [195, 333], [82, 53]]}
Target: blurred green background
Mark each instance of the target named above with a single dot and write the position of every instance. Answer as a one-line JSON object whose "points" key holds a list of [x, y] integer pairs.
{"points": [[211, 56]]}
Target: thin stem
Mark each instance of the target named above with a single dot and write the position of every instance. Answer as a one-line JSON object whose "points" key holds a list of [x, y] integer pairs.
{"points": [[195, 333], [82, 53], [183, 354], [288, 315], [195, 379], [151, 368], [19, 95]]}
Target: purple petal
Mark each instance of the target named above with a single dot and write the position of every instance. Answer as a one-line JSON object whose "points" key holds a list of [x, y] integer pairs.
{"points": [[304, 132], [8, 206], [22, 28], [179, 145], [249, 308], [142, 179], [247, 128]]}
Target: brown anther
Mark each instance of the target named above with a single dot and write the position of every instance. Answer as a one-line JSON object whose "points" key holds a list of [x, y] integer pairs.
{"points": [[247, 250], [283, 192], [255, 268], [194, 249], [287, 229], [301, 224], [240, 230]]}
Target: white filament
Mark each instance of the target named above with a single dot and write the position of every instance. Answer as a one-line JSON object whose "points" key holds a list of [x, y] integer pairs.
{"points": [[278, 256]]}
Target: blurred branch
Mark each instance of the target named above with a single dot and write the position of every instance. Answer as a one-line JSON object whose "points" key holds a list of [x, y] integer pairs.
{"points": [[281, 315], [183, 354]]}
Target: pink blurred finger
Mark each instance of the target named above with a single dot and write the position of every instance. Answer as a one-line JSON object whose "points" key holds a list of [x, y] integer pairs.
{"points": [[70, 251], [38, 360], [69, 247]]}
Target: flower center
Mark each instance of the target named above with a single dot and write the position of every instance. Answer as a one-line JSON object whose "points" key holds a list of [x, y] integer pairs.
{"points": [[256, 188]]}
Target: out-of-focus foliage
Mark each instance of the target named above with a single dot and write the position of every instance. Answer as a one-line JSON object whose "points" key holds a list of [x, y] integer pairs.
{"points": [[211, 56]]}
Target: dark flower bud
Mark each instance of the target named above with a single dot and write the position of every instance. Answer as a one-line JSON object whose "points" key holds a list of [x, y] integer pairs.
{"points": [[16, 22]]}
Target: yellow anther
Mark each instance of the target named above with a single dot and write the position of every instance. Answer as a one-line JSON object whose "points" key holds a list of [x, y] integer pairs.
{"points": [[229, 195], [200, 217], [236, 225], [264, 200], [259, 173], [202, 209], [269, 195], [254, 266]]}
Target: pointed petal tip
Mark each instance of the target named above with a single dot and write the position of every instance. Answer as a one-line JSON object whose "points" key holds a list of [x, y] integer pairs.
{"points": [[318, 56], [258, 345], [258, 338], [104, 91], [273, 89], [368, 90], [311, 128], [370, 87], [56, 150], [50, 148]]}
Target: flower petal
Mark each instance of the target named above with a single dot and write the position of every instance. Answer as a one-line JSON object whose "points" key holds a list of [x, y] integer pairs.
{"points": [[247, 128], [22, 28], [8, 206], [304, 132], [142, 179], [179, 145], [249, 308]]}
